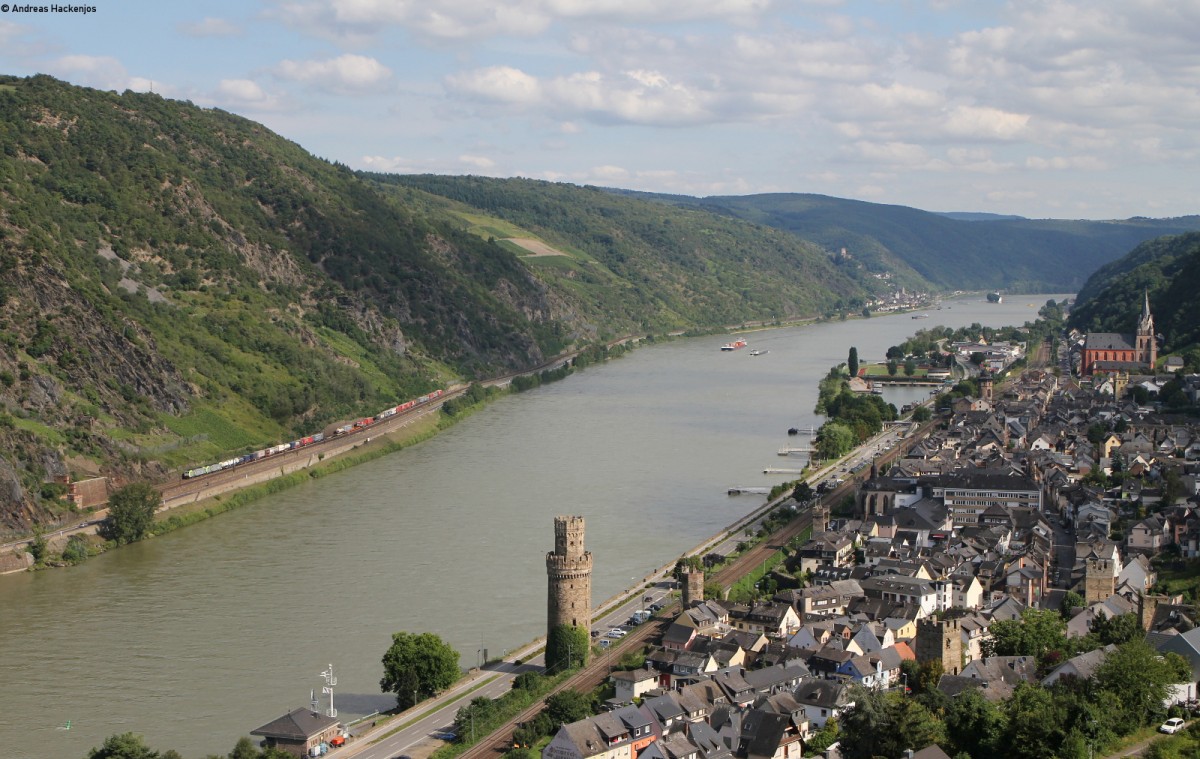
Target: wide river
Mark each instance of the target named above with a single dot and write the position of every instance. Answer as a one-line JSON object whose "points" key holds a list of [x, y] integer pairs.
{"points": [[195, 638]]}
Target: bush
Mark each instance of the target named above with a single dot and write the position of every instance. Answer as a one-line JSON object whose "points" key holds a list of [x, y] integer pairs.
{"points": [[76, 550]]}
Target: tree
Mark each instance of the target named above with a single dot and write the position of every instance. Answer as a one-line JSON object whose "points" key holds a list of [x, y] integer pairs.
{"points": [[823, 738], [895, 353], [568, 706], [910, 367], [1034, 634], [885, 724], [852, 361], [1116, 630], [39, 546], [1071, 600], [892, 367], [130, 513], [124, 746], [803, 492], [921, 414], [975, 725], [1138, 677], [417, 666], [833, 440], [566, 648], [1034, 723]]}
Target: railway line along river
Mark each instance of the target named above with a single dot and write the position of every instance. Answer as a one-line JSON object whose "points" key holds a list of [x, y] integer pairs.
{"points": [[198, 636]]}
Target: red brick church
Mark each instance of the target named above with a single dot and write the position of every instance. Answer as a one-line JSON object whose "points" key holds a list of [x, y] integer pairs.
{"points": [[1108, 352]]}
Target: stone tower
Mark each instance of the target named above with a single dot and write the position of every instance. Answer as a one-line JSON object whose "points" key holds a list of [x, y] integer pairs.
{"points": [[1099, 580], [1147, 606], [569, 571], [1144, 342], [940, 640], [693, 587], [986, 390]]}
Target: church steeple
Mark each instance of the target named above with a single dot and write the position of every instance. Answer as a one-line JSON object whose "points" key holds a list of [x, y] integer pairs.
{"points": [[1146, 344]]}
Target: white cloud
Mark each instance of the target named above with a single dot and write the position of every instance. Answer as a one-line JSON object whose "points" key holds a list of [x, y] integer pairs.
{"points": [[503, 84], [246, 94], [210, 27], [1060, 163], [354, 73], [634, 97], [359, 20], [99, 71], [984, 123], [476, 161]]}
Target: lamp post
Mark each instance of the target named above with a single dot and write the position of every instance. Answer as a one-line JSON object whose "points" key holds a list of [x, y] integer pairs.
{"points": [[904, 679]]}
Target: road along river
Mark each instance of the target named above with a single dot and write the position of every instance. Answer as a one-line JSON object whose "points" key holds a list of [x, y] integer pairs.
{"points": [[196, 637]]}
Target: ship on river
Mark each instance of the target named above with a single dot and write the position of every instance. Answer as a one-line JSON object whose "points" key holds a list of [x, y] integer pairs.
{"points": [[739, 343]]}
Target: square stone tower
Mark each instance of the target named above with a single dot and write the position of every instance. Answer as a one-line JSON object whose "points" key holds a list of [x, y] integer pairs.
{"points": [[940, 639]]}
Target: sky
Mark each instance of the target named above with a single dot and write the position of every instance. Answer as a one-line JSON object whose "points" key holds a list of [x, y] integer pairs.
{"points": [[1085, 109]]}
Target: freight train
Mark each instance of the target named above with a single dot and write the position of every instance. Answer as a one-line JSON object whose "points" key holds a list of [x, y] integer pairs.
{"points": [[361, 424]]}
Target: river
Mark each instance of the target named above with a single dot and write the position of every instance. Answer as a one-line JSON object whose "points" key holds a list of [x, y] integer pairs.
{"points": [[194, 638]]}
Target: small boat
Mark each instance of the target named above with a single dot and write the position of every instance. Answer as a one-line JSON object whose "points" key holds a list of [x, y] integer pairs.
{"points": [[739, 343], [793, 431], [920, 316], [757, 352]]}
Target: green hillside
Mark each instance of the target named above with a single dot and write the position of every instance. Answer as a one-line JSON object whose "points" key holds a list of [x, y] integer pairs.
{"points": [[633, 259], [949, 251], [1168, 268]]}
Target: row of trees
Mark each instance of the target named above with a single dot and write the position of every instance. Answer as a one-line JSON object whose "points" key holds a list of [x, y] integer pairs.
{"points": [[133, 746], [1072, 718]]}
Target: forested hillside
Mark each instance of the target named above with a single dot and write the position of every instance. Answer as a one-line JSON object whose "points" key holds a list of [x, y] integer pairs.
{"points": [[675, 266], [1168, 268], [949, 251]]}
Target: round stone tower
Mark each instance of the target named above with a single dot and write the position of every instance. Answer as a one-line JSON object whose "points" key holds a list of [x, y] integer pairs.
{"points": [[569, 571]]}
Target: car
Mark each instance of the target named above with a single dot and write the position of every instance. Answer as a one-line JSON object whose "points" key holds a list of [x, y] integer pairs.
{"points": [[616, 632], [446, 735], [595, 633], [1171, 726]]}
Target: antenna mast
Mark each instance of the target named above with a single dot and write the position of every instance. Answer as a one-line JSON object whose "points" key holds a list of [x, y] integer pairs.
{"points": [[330, 681]]}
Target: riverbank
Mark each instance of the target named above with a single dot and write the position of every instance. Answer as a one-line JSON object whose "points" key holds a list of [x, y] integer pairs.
{"points": [[402, 432]]}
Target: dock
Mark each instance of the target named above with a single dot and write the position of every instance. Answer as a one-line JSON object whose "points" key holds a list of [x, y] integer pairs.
{"points": [[770, 470], [788, 449], [749, 491]]}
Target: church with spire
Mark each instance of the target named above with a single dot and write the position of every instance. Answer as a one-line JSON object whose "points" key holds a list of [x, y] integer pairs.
{"points": [[1112, 352]]}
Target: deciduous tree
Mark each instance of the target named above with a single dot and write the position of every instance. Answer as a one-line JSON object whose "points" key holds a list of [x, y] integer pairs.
{"points": [[130, 513], [417, 666]]}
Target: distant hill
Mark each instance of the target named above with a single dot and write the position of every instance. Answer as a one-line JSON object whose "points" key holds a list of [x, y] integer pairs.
{"points": [[1166, 267], [971, 216], [633, 259], [948, 251]]}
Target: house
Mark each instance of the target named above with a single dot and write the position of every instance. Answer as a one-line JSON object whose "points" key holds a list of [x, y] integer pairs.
{"points": [[1081, 667], [1149, 536], [633, 683], [904, 590], [619, 734], [774, 620], [299, 731], [823, 700]]}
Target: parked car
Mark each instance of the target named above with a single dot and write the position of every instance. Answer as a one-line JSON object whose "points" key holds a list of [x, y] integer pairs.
{"points": [[1173, 725], [616, 632]]}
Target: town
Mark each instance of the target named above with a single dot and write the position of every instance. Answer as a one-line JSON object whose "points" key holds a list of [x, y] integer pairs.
{"points": [[1000, 564]]}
